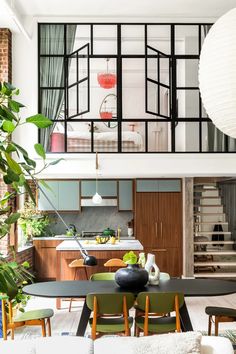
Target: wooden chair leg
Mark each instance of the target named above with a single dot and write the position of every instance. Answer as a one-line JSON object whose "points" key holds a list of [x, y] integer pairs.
{"points": [[70, 305], [137, 331], [43, 328], [4, 320], [209, 325], [12, 333], [49, 327], [216, 326]]}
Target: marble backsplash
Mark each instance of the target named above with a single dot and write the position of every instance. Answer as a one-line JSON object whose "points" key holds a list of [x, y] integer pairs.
{"points": [[94, 219]]}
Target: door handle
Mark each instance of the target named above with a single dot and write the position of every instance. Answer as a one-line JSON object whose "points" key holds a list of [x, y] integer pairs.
{"points": [[156, 228], [161, 230], [159, 250]]}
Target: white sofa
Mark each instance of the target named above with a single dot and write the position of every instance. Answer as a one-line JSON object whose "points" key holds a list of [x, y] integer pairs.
{"points": [[105, 345]]}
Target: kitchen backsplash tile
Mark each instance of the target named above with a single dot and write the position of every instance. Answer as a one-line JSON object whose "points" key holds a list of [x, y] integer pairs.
{"points": [[94, 219]]}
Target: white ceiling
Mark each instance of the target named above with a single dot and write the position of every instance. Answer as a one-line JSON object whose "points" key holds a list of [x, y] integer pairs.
{"points": [[28, 11], [147, 8]]}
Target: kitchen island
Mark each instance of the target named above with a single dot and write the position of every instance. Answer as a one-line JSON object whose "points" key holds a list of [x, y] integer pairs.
{"points": [[68, 250]]}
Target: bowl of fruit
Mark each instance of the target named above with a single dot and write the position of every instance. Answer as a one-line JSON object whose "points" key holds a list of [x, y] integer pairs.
{"points": [[102, 239]]}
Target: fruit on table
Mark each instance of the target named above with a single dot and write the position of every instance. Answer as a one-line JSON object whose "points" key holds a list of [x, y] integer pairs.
{"points": [[102, 239]]}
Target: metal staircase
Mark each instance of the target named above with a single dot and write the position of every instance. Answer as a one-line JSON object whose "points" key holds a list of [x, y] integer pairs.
{"points": [[211, 258]]}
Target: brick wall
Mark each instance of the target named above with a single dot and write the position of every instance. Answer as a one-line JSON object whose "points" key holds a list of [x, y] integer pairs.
{"points": [[5, 55]]}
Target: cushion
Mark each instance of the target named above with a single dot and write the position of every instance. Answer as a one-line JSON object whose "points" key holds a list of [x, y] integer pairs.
{"points": [[17, 346], [64, 344], [34, 315], [175, 343], [220, 311], [216, 345]]}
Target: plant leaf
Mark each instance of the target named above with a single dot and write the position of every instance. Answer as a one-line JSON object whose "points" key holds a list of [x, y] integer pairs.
{"points": [[12, 218], [55, 162], [40, 150], [44, 184], [13, 164], [12, 175], [8, 126], [39, 120]]}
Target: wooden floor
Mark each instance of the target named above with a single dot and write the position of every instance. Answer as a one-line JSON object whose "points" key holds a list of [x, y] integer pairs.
{"points": [[66, 322]]}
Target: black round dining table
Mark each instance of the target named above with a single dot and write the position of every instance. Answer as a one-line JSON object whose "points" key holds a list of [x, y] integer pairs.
{"points": [[81, 288]]}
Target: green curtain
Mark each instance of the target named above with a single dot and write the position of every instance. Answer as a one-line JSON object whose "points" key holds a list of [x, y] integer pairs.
{"points": [[52, 73]]}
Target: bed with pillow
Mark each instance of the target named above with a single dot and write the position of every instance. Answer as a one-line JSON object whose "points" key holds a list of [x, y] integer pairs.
{"points": [[105, 141]]}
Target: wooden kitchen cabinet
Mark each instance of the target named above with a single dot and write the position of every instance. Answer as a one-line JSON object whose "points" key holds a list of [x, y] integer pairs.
{"points": [[168, 260], [158, 226], [45, 260]]}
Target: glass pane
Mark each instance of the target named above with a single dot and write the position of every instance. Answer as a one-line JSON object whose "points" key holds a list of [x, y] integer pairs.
{"points": [[83, 97], [132, 38], [212, 138], [187, 137], [52, 103], [158, 36], [57, 138], [78, 137], [133, 136], [188, 103], [51, 39], [187, 72], [159, 136], [73, 101], [133, 83], [51, 72], [105, 39], [158, 70], [186, 39], [81, 37], [204, 30]]}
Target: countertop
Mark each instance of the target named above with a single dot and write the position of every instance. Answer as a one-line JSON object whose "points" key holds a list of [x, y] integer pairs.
{"points": [[128, 245], [68, 238]]}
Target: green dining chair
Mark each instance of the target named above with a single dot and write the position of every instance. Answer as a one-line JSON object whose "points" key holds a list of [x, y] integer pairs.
{"points": [[28, 318], [110, 313], [103, 276], [156, 308]]}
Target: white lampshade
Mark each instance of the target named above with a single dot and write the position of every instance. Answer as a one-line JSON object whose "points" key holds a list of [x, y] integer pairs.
{"points": [[217, 73], [97, 199]]}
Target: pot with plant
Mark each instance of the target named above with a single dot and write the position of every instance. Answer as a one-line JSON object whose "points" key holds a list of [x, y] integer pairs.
{"points": [[33, 222], [132, 277]]}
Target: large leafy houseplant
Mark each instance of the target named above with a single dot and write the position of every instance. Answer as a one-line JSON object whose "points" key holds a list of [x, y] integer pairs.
{"points": [[33, 222], [17, 169]]}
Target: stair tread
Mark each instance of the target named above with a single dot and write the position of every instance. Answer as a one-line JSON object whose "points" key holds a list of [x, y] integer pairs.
{"points": [[212, 233], [214, 242], [229, 264], [216, 253], [211, 223], [215, 274]]}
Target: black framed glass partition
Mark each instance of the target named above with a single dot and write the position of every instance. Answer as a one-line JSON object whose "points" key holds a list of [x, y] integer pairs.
{"points": [[124, 88]]}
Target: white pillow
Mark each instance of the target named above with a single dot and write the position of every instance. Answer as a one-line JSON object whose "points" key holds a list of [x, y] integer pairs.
{"points": [[17, 346], [63, 344], [171, 343]]}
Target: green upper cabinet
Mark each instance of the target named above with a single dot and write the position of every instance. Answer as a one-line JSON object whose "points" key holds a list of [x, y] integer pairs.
{"points": [[52, 194], [65, 196], [158, 185], [125, 195], [69, 195], [106, 188]]}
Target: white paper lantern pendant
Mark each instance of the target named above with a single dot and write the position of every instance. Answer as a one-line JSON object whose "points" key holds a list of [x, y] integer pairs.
{"points": [[217, 73]]}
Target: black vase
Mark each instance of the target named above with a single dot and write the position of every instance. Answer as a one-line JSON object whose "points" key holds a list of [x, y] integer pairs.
{"points": [[131, 277]]}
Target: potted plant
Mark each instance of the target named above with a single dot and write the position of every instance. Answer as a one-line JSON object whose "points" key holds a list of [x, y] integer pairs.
{"points": [[33, 222], [133, 276], [16, 169]]}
